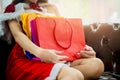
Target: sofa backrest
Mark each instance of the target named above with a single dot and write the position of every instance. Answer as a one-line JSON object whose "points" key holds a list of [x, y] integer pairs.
{"points": [[105, 40]]}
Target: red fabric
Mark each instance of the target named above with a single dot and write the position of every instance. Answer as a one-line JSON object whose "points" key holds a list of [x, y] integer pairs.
{"points": [[35, 6], [10, 8], [21, 68], [61, 34]]}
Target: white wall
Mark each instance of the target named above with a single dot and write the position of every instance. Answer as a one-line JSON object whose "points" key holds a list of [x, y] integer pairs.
{"points": [[90, 10], [72, 8], [0, 6], [93, 10]]}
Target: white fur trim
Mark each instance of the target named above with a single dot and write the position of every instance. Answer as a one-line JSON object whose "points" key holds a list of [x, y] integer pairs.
{"points": [[8, 16], [55, 70], [42, 13], [1, 29], [19, 8]]}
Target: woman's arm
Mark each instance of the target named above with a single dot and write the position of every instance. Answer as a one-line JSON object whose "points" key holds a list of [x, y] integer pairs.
{"points": [[48, 56], [88, 52], [21, 38]]}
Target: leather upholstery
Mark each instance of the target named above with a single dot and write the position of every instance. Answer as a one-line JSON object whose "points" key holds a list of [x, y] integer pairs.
{"points": [[105, 40]]}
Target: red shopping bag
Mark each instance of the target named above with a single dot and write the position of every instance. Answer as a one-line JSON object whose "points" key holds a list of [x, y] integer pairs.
{"points": [[63, 34]]}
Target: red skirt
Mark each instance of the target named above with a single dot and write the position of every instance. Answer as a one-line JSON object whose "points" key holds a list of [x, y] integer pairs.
{"points": [[19, 67]]}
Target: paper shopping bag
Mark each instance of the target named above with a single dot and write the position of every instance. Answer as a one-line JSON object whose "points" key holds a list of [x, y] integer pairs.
{"points": [[63, 34], [30, 30]]}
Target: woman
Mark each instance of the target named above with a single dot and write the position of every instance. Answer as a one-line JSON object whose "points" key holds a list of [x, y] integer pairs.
{"points": [[19, 67]]}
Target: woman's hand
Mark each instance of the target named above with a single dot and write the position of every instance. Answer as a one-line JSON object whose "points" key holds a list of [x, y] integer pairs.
{"points": [[88, 52], [52, 56]]}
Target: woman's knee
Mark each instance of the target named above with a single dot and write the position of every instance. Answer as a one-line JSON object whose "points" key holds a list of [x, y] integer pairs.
{"points": [[97, 67], [68, 73]]}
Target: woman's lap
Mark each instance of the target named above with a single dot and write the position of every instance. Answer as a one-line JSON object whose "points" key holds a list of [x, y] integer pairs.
{"points": [[19, 67], [90, 67]]}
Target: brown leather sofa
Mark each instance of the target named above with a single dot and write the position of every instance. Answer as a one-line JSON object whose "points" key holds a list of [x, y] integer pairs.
{"points": [[103, 37], [105, 40]]}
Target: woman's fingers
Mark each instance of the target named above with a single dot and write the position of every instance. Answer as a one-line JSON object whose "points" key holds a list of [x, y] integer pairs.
{"points": [[62, 61], [88, 48], [84, 54], [60, 58], [87, 54], [56, 51]]}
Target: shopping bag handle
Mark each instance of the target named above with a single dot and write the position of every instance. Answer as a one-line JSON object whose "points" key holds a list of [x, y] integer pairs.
{"points": [[62, 33]]}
